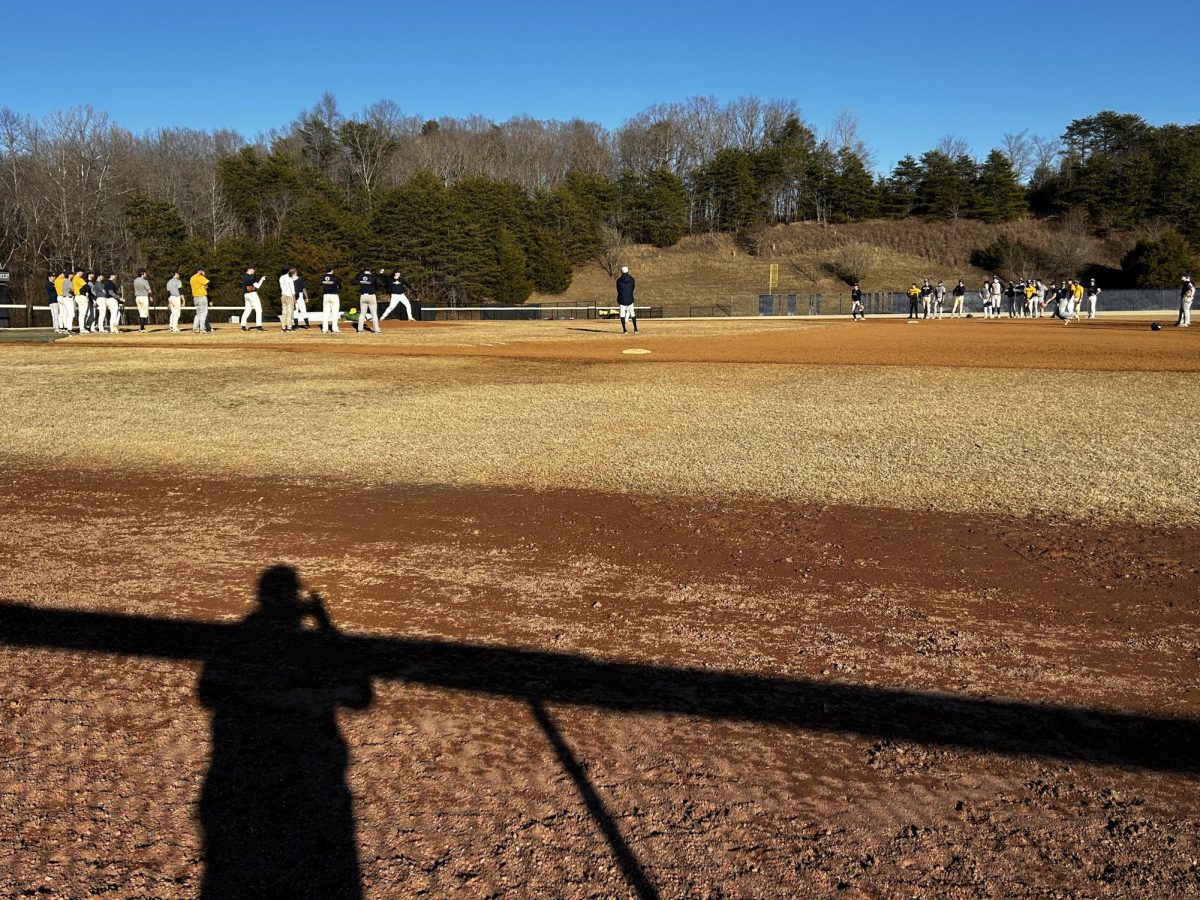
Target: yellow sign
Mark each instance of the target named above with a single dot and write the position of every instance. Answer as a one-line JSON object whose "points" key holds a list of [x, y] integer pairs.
{"points": [[774, 278]]}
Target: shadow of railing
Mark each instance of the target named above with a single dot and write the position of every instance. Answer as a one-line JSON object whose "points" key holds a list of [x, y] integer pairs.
{"points": [[274, 684]]}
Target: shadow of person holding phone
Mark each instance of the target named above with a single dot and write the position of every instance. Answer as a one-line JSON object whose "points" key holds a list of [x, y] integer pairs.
{"points": [[275, 810]]}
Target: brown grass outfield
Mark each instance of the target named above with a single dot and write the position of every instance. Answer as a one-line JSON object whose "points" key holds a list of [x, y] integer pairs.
{"points": [[543, 406]]}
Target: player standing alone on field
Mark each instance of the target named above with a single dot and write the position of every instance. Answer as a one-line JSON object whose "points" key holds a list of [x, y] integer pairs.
{"points": [[856, 304], [625, 286], [1093, 294], [1187, 293]]}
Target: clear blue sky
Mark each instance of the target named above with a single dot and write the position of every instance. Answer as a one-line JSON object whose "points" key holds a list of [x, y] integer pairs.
{"points": [[912, 72]]}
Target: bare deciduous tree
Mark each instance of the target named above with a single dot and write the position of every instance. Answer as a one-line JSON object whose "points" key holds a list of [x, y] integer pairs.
{"points": [[1019, 149], [1070, 245], [953, 146], [854, 262], [613, 247], [843, 134]]}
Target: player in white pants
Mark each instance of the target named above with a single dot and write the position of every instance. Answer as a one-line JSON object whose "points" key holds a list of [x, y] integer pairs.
{"points": [[1187, 293], [331, 301], [83, 295], [141, 298], [301, 316], [174, 301], [66, 301], [52, 300], [100, 295], [112, 299], [368, 305], [250, 294], [625, 302], [398, 290], [78, 282], [1093, 294]]}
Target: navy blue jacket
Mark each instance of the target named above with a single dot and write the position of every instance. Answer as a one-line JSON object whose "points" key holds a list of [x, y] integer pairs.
{"points": [[625, 289]]}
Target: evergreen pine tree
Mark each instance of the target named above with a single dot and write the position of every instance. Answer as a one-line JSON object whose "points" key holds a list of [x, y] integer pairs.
{"points": [[998, 196]]}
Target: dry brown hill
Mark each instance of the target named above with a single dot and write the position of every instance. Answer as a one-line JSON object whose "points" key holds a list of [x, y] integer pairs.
{"points": [[715, 268]]}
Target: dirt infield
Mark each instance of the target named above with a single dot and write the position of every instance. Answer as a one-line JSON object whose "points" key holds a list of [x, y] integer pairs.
{"points": [[1117, 344], [601, 625]]}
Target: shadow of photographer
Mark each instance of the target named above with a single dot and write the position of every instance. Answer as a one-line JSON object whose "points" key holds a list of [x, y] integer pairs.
{"points": [[276, 812]]}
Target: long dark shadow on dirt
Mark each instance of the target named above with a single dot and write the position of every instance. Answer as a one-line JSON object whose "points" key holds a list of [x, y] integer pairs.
{"points": [[631, 868], [275, 804]]}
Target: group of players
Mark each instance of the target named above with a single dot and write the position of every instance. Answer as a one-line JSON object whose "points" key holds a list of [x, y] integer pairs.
{"points": [[293, 299], [1023, 299], [1031, 299], [91, 301], [93, 296]]}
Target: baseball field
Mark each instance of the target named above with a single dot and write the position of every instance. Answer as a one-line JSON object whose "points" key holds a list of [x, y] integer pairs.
{"points": [[770, 608]]}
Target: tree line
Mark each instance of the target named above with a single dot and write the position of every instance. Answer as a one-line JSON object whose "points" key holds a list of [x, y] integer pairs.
{"points": [[475, 210]]}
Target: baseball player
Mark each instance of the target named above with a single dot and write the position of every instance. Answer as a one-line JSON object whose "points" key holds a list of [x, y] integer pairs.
{"points": [[301, 318], [100, 295], [857, 309], [914, 297], [625, 285], [141, 298], [368, 303], [198, 284], [250, 293], [398, 290], [78, 282], [1093, 294], [52, 300], [287, 298], [960, 294], [174, 301], [66, 306], [89, 289], [1187, 293], [331, 301], [926, 298], [939, 299], [112, 299]]}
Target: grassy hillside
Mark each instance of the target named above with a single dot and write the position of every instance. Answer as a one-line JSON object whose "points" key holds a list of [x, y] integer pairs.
{"points": [[706, 269]]}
